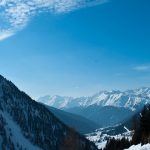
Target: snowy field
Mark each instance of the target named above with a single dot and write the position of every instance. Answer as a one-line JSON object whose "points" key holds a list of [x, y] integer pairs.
{"points": [[99, 137], [139, 147]]}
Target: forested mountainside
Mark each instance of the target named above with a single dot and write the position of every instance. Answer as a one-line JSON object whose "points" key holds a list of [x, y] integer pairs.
{"points": [[26, 124]]}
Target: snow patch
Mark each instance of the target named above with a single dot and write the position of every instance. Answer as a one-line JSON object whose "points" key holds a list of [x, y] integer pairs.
{"points": [[17, 136], [139, 147]]}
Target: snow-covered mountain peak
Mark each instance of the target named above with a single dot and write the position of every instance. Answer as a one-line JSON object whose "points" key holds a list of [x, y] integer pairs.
{"points": [[55, 101], [128, 99], [137, 91]]}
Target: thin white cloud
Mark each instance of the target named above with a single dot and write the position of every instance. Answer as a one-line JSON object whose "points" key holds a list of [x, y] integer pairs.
{"points": [[5, 34], [142, 68], [15, 14]]}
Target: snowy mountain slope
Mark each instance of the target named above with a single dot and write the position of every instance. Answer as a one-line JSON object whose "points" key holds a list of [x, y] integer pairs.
{"points": [[56, 101], [11, 129], [131, 99], [26, 124]]}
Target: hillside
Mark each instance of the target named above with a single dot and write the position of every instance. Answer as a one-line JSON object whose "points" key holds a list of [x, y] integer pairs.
{"points": [[26, 124]]}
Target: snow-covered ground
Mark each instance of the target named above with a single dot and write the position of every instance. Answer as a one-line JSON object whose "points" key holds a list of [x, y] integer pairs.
{"points": [[139, 147], [99, 137]]}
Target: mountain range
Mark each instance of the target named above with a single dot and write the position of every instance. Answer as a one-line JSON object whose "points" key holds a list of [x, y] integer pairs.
{"points": [[131, 99], [27, 124], [106, 108]]}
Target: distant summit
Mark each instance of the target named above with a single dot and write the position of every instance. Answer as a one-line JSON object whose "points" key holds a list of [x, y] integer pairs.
{"points": [[131, 99], [106, 108]]}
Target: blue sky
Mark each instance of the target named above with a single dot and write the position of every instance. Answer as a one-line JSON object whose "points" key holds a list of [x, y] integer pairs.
{"points": [[81, 51]]}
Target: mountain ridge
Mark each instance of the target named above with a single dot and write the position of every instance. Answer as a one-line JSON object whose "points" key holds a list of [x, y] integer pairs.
{"points": [[131, 99]]}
